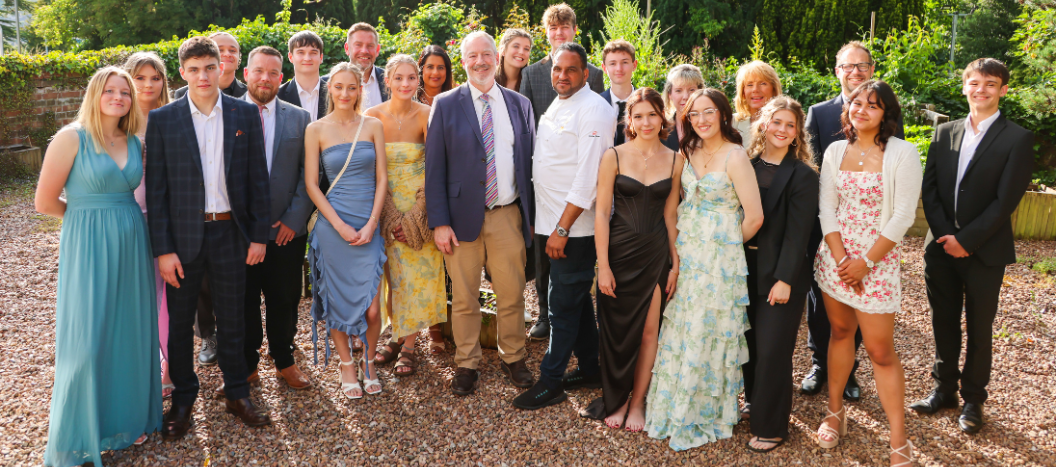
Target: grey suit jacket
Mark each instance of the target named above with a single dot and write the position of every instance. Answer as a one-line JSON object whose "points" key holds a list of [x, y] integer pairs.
{"points": [[537, 86], [289, 198]]}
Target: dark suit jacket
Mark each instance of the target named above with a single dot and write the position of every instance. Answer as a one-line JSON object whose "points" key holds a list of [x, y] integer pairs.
{"points": [[538, 87], [619, 138], [455, 168], [175, 191], [288, 93], [236, 89], [789, 212], [993, 184], [289, 198]]}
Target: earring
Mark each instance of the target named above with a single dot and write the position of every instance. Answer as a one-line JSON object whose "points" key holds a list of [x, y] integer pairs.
{"points": [[633, 133]]}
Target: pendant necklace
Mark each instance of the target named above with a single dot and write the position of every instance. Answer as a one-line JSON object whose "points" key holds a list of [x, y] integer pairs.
{"points": [[399, 122], [642, 154], [344, 134], [861, 156]]}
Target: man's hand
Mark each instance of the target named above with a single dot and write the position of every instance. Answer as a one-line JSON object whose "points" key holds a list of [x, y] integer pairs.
{"points": [[170, 268], [444, 237], [952, 246], [285, 233], [256, 253], [555, 246], [779, 293]]}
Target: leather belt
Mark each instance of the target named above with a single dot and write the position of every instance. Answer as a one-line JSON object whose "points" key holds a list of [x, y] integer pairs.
{"points": [[516, 201], [217, 216]]}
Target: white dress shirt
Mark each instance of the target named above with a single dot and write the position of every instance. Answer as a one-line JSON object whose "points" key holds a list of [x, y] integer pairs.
{"points": [[309, 100], [209, 130], [572, 136], [268, 117], [616, 100], [968, 146], [371, 90]]}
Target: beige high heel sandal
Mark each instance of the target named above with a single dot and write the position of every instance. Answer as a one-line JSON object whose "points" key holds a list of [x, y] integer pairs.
{"points": [[829, 431], [909, 445]]}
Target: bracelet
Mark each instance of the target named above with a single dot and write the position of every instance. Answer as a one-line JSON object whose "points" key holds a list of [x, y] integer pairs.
{"points": [[375, 218], [845, 257]]}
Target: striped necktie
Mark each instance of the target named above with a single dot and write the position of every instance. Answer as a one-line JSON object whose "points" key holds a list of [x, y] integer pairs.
{"points": [[487, 130]]}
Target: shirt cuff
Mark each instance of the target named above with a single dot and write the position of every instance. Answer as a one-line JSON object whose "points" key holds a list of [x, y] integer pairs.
{"points": [[579, 201]]}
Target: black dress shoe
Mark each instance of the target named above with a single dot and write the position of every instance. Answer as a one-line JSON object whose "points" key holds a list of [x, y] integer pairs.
{"points": [[971, 420], [465, 381], [540, 331], [539, 396], [177, 421], [250, 414], [207, 355], [852, 391], [814, 381], [576, 379], [935, 401], [518, 373]]}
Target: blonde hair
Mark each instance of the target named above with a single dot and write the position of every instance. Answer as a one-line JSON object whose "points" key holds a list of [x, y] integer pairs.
{"points": [[342, 68], [90, 116], [684, 73], [754, 69], [400, 59], [141, 59], [800, 147]]}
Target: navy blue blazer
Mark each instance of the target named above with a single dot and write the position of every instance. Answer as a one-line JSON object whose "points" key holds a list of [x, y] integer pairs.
{"points": [[175, 184], [455, 168]]}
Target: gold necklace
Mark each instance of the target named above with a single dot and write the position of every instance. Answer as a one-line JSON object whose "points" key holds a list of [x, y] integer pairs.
{"points": [[711, 155]]}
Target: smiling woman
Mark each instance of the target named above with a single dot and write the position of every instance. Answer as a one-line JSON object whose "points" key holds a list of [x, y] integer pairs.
{"points": [[515, 49]]}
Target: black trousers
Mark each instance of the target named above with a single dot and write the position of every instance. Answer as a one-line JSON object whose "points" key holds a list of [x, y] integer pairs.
{"points": [[537, 253], [768, 384], [223, 256], [818, 327], [279, 278], [205, 322], [956, 284]]}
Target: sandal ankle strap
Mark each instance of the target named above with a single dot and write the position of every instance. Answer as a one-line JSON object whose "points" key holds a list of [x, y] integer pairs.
{"points": [[909, 457]]}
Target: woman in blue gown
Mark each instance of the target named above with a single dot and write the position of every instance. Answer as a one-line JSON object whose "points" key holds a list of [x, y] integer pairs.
{"points": [[107, 391], [346, 253]]}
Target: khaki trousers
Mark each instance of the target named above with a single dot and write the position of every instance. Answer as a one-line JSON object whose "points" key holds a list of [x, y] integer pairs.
{"points": [[501, 245]]}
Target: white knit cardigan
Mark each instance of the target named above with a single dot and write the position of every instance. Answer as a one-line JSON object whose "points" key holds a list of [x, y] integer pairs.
{"points": [[902, 177]]}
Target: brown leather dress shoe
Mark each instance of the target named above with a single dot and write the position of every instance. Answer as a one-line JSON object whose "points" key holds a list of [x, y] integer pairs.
{"points": [[177, 421], [465, 381], [518, 373], [294, 378], [254, 378], [250, 414]]}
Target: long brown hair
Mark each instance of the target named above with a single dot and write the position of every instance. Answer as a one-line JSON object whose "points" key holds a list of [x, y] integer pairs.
{"points": [[690, 139], [888, 101], [800, 147]]}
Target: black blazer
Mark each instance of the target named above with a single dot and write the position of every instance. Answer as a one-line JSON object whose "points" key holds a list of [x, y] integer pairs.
{"points": [[288, 93], [236, 89], [823, 124], [790, 209], [994, 182], [175, 192]]}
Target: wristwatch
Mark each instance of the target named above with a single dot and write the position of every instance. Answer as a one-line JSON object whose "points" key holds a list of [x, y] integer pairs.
{"points": [[869, 263], [561, 232]]}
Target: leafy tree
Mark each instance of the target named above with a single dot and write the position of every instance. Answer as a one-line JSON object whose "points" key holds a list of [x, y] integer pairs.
{"points": [[987, 32], [7, 22], [723, 26], [622, 20]]}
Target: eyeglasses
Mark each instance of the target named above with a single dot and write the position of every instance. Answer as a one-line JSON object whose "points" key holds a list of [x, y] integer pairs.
{"points": [[849, 67], [695, 115]]}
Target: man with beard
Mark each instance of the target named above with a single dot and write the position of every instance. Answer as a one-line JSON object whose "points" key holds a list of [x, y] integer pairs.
{"points": [[363, 46], [278, 277]]}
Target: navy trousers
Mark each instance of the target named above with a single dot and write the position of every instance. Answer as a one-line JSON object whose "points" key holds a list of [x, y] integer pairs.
{"points": [[573, 326]]}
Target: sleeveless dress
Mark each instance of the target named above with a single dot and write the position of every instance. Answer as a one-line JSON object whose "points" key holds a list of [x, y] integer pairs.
{"points": [[107, 388], [416, 277], [345, 278], [697, 375], [861, 198], [640, 258], [159, 282]]}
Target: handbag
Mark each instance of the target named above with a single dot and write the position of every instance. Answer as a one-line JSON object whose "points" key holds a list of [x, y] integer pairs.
{"points": [[315, 215]]}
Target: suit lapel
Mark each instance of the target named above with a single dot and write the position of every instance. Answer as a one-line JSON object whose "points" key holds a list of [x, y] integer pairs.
{"points": [[231, 129], [513, 110], [991, 135], [956, 138], [379, 76], [784, 173], [280, 123], [322, 97], [183, 116], [466, 99]]}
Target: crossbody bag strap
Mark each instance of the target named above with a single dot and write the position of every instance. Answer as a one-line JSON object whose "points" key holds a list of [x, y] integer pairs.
{"points": [[349, 158]]}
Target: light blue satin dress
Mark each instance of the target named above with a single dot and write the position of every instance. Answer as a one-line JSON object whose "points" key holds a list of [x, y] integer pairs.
{"points": [[107, 374]]}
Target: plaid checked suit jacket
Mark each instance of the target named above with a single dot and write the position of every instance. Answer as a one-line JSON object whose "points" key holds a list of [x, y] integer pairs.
{"points": [[175, 184], [537, 86]]}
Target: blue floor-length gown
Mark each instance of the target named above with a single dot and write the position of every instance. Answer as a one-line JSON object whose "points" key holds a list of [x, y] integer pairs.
{"points": [[107, 374]]}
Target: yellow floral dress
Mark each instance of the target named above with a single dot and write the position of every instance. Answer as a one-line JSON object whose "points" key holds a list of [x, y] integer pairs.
{"points": [[415, 278]]}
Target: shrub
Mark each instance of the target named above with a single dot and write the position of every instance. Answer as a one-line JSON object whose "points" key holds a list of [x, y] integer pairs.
{"points": [[621, 20]]}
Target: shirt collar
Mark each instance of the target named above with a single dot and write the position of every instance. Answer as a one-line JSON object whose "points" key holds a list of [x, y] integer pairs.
{"points": [[983, 125], [492, 93], [313, 91], [216, 108], [270, 105], [368, 77], [614, 99]]}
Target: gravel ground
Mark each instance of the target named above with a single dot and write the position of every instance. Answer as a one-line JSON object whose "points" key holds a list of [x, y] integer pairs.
{"points": [[417, 421]]}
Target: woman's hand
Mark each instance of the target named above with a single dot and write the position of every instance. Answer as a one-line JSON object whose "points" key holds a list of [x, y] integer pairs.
{"points": [[348, 233], [606, 282], [366, 233], [672, 281], [397, 233], [779, 293], [853, 270]]}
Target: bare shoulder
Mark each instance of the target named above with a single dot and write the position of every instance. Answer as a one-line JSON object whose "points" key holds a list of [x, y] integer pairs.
{"points": [[375, 111], [66, 140], [739, 158], [372, 123]]}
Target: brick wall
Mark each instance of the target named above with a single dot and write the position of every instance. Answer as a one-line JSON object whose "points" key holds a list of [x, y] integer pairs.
{"points": [[50, 95]]}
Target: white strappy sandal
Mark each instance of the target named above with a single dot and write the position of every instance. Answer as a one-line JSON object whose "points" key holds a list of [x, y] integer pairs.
{"points": [[346, 387], [367, 382], [908, 445], [829, 431]]}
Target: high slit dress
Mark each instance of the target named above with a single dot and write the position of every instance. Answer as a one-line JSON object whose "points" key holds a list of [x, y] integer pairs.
{"points": [[640, 258]]}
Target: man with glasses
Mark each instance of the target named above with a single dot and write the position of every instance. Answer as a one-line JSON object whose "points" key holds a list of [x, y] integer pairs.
{"points": [[854, 66]]}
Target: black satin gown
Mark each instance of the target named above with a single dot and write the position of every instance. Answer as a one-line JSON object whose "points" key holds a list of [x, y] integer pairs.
{"points": [[640, 260]]}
